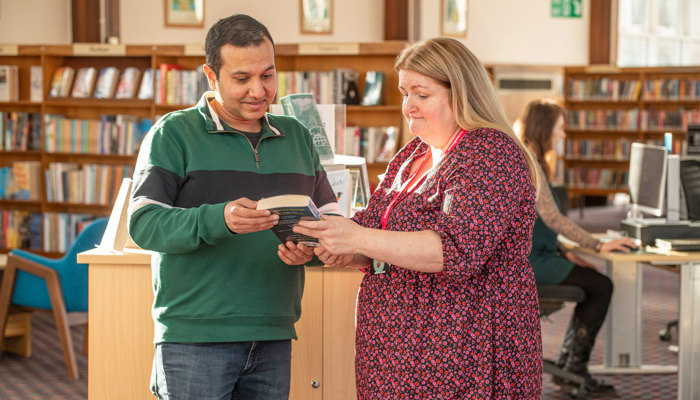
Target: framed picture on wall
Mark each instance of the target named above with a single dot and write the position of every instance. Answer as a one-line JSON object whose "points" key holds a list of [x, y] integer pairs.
{"points": [[316, 16], [184, 13], [453, 17]]}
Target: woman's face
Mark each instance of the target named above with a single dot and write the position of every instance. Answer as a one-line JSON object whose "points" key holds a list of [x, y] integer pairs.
{"points": [[558, 133], [427, 107]]}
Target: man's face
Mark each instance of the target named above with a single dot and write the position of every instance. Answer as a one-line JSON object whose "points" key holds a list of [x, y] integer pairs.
{"points": [[247, 83]]}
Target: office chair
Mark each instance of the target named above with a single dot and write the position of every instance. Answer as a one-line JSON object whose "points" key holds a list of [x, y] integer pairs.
{"points": [[552, 299], [58, 285]]}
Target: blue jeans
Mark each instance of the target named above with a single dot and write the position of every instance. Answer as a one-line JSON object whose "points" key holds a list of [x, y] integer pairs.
{"points": [[216, 371]]}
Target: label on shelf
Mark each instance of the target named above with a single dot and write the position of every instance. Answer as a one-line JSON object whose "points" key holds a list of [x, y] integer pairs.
{"points": [[194, 49], [329, 48], [95, 49], [9, 50]]}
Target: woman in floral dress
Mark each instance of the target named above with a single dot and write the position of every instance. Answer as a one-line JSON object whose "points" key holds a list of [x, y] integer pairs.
{"points": [[448, 308]]}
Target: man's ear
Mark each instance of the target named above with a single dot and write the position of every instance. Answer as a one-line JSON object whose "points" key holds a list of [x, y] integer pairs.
{"points": [[211, 76]]}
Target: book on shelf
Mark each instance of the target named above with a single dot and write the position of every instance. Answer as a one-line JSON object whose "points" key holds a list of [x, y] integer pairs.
{"points": [[106, 83], [167, 79], [9, 83], [36, 83], [61, 81], [146, 87], [84, 82], [291, 209], [128, 83], [302, 106], [374, 85]]}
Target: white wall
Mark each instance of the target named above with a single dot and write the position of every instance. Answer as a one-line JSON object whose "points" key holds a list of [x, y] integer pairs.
{"points": [[142, 21], [499, 32], [516, 32], [35, 21]]}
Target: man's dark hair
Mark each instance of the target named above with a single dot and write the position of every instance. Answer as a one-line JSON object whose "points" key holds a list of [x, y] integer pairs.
{"points": [[238, 30]]}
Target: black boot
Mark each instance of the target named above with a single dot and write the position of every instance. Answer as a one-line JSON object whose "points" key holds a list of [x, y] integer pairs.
{"points": [[579, 352]]}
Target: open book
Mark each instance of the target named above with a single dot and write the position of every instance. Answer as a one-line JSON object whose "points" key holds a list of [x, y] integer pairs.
{"points": [[291, 208]]}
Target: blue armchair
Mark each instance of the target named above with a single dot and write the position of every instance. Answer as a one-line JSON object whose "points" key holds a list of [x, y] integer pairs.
{"points": [[59, 285]]}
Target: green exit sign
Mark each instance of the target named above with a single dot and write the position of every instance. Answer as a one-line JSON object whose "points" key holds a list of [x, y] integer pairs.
{"points": [[566, 8]]}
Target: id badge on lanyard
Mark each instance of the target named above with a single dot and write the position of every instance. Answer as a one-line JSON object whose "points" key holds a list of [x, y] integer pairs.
{"points": [[381, 267]]}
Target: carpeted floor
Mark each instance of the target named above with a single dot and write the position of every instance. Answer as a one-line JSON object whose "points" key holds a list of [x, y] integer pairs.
{"points": [[44, 376]]}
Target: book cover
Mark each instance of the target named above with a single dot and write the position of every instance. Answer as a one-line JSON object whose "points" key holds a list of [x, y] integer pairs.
{"points": [[106, 83], [128, 82], [36, 82], [374, 84], [84, 82], [146, 87], [291, 209], [61, 81], [302, 106], [339, 178]]}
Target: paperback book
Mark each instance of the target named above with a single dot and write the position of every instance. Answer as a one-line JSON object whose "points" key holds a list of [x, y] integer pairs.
{"points": [[106, 82], [374, 84], [84, 82], [129, 81], [291, 209], [61, 81]]}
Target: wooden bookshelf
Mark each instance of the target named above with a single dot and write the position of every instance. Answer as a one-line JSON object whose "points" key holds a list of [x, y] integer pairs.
{"points": [[361, 57], [610, 108]]}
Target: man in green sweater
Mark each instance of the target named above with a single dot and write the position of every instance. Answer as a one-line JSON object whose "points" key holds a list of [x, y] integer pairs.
{"points": [[225, 303]]}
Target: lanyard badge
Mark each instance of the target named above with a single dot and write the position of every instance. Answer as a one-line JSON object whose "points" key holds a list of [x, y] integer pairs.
{"points": [[379, 267]]}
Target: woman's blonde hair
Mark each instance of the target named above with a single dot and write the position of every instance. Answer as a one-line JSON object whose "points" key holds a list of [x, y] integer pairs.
{"points": [[474, 100]]}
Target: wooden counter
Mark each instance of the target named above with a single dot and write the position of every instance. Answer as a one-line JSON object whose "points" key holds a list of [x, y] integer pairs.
{"points": [[121, 329]]}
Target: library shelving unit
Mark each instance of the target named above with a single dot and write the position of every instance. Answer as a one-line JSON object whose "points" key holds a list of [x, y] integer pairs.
{"points": [[361, 57], [609, 108]]}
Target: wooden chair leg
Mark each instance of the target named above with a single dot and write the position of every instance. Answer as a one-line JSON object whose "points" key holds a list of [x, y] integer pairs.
{"points": [[6, 289], [85, 340], [61, 318]]}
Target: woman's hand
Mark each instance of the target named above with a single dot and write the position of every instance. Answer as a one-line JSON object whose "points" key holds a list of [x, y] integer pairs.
{"points": [[333, 260], [337, 235], [623, 244], [295, 254]]}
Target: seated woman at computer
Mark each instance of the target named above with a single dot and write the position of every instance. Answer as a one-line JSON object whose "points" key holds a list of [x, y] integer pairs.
{"points": [[543, 128]]}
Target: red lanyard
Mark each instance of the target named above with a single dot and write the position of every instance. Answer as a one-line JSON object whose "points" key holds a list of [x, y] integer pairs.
{"points": [[410, 186]]}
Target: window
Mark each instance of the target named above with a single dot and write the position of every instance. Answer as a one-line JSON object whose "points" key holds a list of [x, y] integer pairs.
{"points": [[658, 33]]}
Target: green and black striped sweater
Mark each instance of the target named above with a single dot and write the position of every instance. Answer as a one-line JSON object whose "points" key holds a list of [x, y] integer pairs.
{"points": [[210, 284]]}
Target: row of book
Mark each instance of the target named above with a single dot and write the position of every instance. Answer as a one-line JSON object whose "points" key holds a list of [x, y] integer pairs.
{"points": [[607, 89], [84, 184], [671, 120], [20, 131], [619, 120], [596, 178], [598, 149], [603, 89], [20, 229], [339, 86], [107, 83], [175, 85], [633, 119], [61, 229], [111, 134], [21, 181], [375, 144]]}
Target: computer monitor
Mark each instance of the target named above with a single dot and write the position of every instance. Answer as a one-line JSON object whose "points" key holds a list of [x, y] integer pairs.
{"points": [[647, 179]]}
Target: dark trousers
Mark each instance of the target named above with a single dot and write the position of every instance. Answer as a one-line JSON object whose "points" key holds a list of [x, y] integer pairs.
{"points": [[598, 288]]}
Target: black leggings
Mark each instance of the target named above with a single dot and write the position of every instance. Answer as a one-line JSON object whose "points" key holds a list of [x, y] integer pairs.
{"points": [[598, 288]]}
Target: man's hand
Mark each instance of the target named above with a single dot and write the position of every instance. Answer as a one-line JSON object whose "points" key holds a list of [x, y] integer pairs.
{"points": [[295, 254], [242, 217]]}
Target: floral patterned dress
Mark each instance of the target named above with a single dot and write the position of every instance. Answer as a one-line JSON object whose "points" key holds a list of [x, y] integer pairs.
{"points": [[471, 331]]}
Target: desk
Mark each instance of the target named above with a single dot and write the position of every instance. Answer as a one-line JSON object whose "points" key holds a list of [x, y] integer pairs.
{"points": [[622, 328]]}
